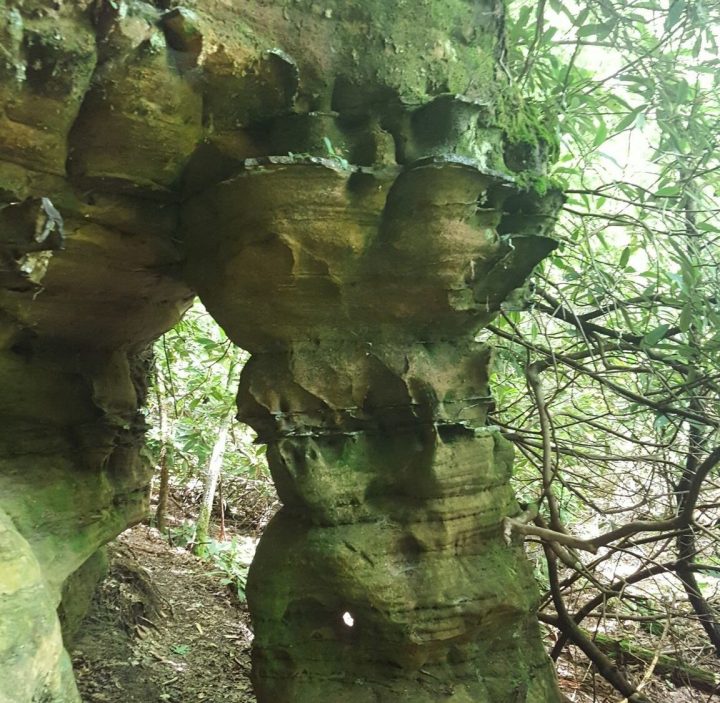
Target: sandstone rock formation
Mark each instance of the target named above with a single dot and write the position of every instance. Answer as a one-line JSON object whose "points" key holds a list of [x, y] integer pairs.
{"points": [[353, 191]]}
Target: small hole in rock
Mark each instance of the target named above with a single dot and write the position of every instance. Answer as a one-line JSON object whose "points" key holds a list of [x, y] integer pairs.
{"points": [[348, 619]]}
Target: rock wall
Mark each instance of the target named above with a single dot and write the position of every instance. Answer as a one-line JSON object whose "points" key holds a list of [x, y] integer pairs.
{"points": [[86, 282], [353, 192]]}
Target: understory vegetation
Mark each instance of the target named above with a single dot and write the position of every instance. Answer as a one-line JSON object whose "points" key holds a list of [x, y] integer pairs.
{"points": [[191, 414], [607, 372], [608, 381]]}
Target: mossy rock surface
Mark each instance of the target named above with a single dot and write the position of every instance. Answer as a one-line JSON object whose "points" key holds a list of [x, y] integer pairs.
{"points": [[353, 191]]}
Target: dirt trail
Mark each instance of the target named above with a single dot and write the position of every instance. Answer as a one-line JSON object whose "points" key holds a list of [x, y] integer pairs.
{"points": [[162, 630]]}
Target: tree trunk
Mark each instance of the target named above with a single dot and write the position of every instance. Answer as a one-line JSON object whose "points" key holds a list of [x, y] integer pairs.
{"points": [[221, 498], [697, 441], [164, 490], [202, 528], [681, 673]]}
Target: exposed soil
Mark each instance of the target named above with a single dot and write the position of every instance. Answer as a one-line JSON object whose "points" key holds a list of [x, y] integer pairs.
{"points": [[162, 629]]}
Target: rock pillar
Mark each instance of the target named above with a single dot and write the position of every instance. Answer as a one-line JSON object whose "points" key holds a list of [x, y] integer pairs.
{"points": [[355, 241], [385, 576]]}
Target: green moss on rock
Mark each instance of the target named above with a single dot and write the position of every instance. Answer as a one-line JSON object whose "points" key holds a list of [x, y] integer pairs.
{"points": [[77, 594]]}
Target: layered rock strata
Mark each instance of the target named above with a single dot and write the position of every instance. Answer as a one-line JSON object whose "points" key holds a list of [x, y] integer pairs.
{"points": [[385, 576], [88, 278], [353, 193]]}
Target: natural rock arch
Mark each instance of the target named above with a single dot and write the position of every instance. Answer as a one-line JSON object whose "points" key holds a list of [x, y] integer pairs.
{"points": [[352, 192]]}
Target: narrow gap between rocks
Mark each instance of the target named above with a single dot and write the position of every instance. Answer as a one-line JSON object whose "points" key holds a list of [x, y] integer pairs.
{"points": [[169, 622]]}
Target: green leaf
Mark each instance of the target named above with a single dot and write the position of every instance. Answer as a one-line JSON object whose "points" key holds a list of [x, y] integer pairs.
{"points": [[654, 336], [329, 146], [625, 257], [601, 134], [661, 421], [697, 47], [677, 7], [629, 119], [524, 16], [713, 574], [686, 317], [580, 20], [668, 191], [610, 157], [601, 31]]}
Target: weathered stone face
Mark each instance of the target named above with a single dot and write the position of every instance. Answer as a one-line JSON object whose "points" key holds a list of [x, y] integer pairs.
{"points": [[339, 183], [372, 396], [34, 663]]}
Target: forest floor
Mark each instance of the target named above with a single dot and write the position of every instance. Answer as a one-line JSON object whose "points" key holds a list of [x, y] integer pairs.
{"points": [[162, 629]]}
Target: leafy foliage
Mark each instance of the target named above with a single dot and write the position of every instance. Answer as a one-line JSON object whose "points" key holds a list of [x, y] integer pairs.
{"points": [[231, 561], [197, 369], [609, 383]]}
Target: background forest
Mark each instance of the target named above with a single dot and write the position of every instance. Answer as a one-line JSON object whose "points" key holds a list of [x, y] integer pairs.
{"points": [[607, 367]]}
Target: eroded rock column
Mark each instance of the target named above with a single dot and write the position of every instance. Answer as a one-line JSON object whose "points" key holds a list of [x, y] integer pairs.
{"points": [[355, 241], [385, 576]]}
